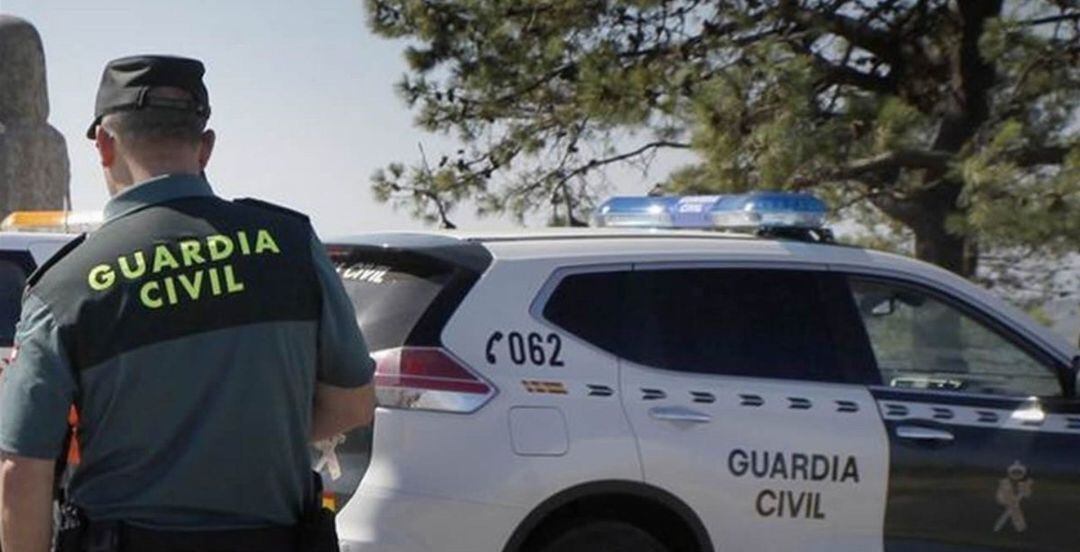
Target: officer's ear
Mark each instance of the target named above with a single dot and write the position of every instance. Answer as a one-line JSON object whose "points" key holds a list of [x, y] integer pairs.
{"points": [[106, 146], [206, 147]]}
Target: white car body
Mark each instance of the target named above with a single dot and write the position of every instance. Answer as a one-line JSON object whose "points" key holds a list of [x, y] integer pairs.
{"points": [[482, 481]]}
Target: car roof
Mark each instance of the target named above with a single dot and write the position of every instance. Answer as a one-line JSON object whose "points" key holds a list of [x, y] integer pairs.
{"points": [[447, 237], [23, 240], [600, 243]]}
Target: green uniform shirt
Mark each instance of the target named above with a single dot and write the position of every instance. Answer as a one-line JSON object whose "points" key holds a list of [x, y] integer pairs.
{"points": [[190, 332]]}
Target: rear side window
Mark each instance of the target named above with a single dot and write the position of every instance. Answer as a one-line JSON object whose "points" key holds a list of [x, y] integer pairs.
{"points": [[390, 294], [745, 322], [589, 305]]}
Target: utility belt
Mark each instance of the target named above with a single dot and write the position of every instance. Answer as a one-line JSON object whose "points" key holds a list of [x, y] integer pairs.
{"points": [[314, 533]]}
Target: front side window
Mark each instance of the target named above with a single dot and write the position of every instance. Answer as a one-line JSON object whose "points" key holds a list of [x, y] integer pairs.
{"points": [[921, 342]]}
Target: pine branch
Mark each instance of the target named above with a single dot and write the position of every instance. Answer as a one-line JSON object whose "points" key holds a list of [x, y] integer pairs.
{"points": [[1041, 155], [1075, 16], [841, 74], [444, 218], [939, 160], [893, 160], [597, 163], [877, 42]]}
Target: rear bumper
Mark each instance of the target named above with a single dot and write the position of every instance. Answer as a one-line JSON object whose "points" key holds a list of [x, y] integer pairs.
{"points": [[382, 520]]}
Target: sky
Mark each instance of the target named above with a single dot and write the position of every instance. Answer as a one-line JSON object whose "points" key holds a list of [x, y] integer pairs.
{"points": [[301, 91]]}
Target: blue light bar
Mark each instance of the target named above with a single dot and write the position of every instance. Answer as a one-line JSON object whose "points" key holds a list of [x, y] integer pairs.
{"points": [[769, 210], [694, 211], [755, 212], [635, 212]]}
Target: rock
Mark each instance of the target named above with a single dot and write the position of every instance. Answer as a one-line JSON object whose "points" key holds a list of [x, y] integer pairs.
{"points": [[34, 169]]}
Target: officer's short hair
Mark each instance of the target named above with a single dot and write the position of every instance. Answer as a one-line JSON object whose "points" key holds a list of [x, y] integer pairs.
{"points": [[156, 125]]}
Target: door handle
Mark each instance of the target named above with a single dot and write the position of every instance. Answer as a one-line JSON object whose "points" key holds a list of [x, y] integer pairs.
{"points": [[679, 414], [918, 433]]}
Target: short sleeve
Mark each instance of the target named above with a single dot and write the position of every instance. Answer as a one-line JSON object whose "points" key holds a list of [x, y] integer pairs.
{"points": [[343, 359], [37, 388]]}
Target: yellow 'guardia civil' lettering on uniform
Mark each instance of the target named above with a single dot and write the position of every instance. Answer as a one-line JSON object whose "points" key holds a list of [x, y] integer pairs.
{"points": [[191, 285]]}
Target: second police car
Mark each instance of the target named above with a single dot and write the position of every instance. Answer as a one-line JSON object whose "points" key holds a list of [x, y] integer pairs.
{"points": [[27, 240], [674, 391]]}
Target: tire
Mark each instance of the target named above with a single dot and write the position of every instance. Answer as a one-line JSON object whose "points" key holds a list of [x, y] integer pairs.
{"points": [[602, 536]]}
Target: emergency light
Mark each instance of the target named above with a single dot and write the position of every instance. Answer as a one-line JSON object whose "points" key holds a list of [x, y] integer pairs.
{"points": [[636, 212], [769, 209], [781, 214]]}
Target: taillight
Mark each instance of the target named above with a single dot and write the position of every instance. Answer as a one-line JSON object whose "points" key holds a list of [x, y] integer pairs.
{"points": [[428, 378]]}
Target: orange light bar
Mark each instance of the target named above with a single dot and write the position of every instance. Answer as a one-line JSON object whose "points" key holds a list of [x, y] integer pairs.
{"points": [[52, 221]]}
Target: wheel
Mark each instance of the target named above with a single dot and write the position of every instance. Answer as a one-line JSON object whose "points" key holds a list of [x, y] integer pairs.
{"points": [[602, 536]]}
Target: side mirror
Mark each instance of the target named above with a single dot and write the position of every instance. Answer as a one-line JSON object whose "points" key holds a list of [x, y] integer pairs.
{"points": [[884, 308]]}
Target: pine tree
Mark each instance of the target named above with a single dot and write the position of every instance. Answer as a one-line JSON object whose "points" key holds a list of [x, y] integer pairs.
{"points": [[949, 125]]}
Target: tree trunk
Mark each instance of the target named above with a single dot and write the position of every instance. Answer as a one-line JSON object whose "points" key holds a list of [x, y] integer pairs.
{"points": [[935, 244], [973, 78]]}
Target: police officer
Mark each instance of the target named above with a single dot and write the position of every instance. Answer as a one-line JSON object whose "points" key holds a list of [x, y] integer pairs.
{"points": [[204, 343]]}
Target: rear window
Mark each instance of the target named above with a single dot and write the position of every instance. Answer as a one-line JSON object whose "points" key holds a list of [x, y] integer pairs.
{"points": [[12, 281], [391, 293]]}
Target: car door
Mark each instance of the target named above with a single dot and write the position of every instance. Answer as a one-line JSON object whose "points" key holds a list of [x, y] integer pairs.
{"points": [[984, 444], [742, 407]]}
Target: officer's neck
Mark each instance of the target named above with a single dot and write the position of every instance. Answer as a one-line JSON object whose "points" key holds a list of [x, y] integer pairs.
{"points": [[132, 172]]}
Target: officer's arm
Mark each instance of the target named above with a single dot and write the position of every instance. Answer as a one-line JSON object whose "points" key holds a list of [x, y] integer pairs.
{"points": [[339, 409], [35, 395], [344, 397], [26, 491]]}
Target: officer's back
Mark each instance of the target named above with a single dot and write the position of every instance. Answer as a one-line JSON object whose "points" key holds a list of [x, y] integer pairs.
{"points": [[195, 336]]}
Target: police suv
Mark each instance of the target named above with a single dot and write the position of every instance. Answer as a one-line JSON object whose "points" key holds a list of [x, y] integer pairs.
{"points": [[662, 390], [28, 239]]}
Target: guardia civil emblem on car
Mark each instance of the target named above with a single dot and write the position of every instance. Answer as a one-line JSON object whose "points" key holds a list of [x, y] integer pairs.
{"points": [[1012, 490]]}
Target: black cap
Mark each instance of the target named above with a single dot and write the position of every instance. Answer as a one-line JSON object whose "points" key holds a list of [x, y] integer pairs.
{"points": [[126, 83]]}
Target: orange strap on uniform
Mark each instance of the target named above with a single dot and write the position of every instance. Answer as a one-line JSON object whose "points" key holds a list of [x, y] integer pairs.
{"points": [[73, 455]]}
